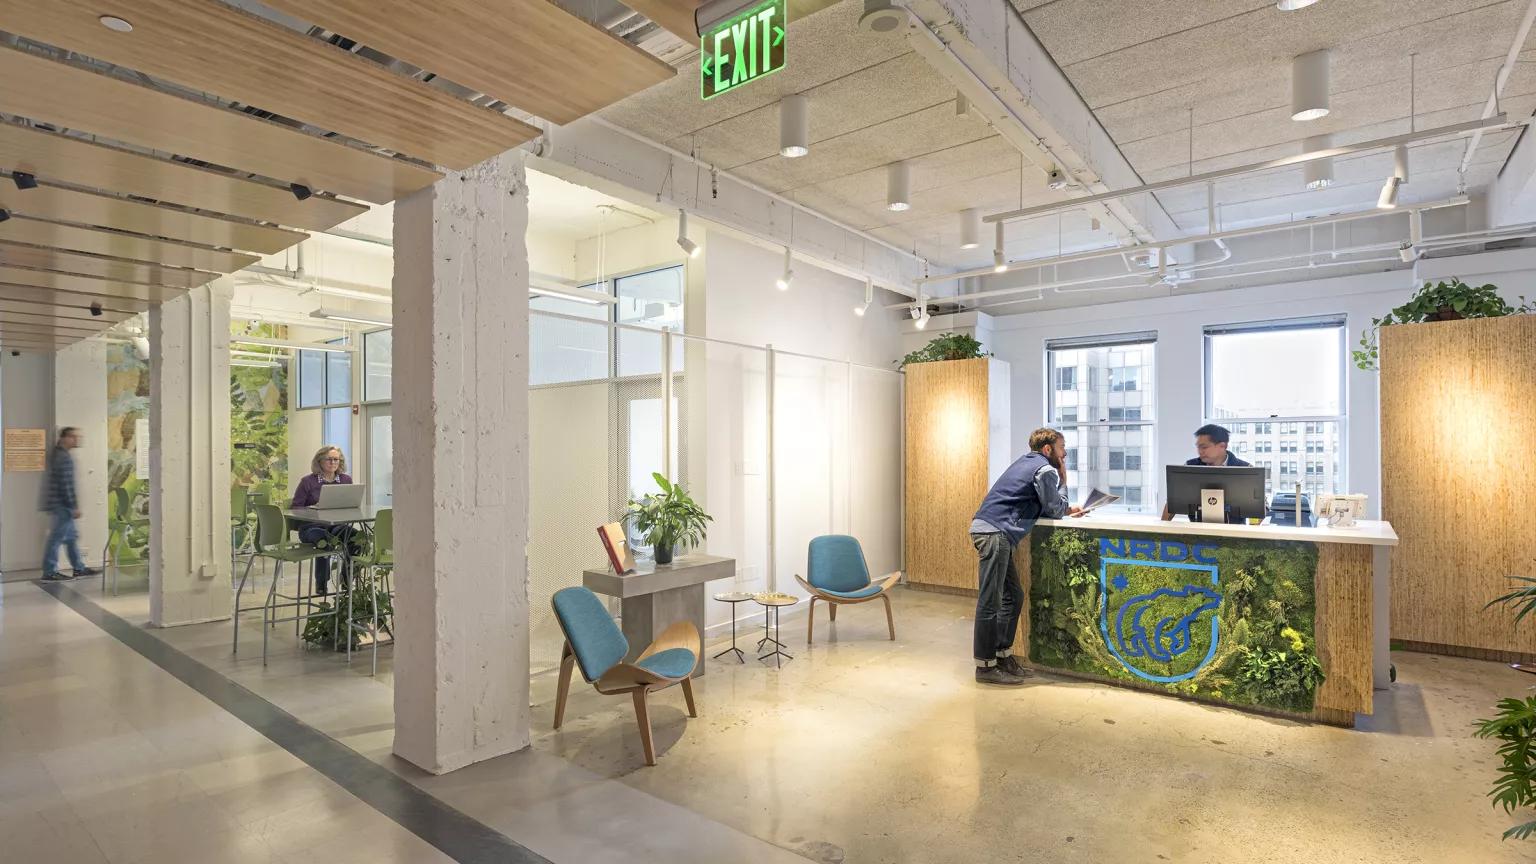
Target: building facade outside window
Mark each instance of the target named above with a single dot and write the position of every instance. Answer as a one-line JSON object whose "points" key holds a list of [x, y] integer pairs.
{"points": [[1102, 400], [1279, 387]]}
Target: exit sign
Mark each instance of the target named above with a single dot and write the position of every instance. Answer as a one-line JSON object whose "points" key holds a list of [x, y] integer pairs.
{"points": [[742, 48]]}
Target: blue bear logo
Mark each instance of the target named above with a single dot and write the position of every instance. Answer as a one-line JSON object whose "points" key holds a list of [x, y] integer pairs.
{"points": [[1152, 633]]}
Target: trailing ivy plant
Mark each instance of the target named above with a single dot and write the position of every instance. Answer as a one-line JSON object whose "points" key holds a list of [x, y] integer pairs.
{"points": [[945, 346], [1514, 727], [1437, 301]]}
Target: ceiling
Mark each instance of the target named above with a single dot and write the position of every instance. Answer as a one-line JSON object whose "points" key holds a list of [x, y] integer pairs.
{"points": [[561, 213], [1140, 67], [203, 135]]}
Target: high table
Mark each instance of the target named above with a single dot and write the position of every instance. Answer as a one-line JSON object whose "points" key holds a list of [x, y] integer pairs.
{"points": [[363, 517], [658, 595], [1277, 619]]}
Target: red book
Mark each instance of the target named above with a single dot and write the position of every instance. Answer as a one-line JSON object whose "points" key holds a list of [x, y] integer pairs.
{"points": [[617, 547]]}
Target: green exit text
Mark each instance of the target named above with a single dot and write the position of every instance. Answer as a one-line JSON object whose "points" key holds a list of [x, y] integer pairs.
{"points": [[742, 48]]}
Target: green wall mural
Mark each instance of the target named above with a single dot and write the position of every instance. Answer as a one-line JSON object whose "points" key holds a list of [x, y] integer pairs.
{"points": [[258, 425], [1216, 618]]}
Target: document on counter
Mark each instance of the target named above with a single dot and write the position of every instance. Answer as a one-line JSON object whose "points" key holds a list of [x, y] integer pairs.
{"points": [[1098, 498]]}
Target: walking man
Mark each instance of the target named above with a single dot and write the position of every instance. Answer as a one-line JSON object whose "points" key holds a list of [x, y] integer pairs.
{"points": [[1034, 487], [63, 508]]}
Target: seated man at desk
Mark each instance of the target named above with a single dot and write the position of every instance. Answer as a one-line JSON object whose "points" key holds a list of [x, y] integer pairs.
{"points": [[1211, 449]]}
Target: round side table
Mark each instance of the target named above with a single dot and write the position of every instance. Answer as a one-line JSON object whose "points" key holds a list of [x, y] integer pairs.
{"points": [[733, 597], [772, 602]]}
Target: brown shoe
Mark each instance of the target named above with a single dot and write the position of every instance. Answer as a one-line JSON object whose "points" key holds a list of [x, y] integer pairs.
{"points": [[1012, 666], [997, 676]]}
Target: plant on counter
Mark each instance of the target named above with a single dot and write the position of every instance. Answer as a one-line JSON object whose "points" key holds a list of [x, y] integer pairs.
{"points": [[945, 346], [1514, 727], [668, 519], [1438, 301]]}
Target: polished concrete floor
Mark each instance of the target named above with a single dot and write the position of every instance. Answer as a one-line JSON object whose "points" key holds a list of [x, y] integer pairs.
{"points": [[858, 750]]}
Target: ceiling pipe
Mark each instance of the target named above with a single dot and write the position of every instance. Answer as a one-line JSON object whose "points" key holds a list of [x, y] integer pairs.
{"points": [[1500, 79], [1455, 130], [1185, 241]]}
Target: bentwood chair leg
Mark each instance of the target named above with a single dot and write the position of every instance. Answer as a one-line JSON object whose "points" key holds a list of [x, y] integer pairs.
{"points": [[643, 718], [833, 607], [693, 710], [890, 622], [563, 690], [810, 622]]}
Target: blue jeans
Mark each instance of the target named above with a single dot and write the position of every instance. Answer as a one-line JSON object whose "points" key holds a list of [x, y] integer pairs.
{"points": [[312, 533], [62, 532], [1000, 600]]}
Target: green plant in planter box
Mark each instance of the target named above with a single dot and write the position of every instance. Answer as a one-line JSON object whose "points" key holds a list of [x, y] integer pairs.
{"points": [[945, 346], [1438, 301], [1514, 727], [668, 519]]}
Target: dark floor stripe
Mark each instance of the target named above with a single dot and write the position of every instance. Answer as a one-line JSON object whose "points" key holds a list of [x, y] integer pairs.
{"points": [[460, 837]]}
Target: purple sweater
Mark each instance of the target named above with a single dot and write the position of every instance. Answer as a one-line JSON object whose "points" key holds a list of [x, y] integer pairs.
{"points": [[308, 493]]}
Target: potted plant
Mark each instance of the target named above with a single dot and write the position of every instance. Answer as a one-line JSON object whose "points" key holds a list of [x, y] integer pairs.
{"points": [[945, 346], [668, 519], [1514, 727], [1438, 301]]}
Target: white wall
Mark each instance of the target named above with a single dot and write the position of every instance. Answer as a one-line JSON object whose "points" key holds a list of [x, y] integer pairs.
{"points": [[26, 401], [1179, 322]]}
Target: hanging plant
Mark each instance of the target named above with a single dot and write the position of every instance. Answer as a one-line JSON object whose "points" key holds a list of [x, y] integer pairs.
{"points": [[1437, 301], [945, 346]]}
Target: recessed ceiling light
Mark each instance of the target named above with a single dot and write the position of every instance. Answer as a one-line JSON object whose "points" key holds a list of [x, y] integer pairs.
{"points": [[116, 24]]}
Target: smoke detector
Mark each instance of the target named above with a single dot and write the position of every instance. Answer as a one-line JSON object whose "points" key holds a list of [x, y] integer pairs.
{"points": [[881, 16]]}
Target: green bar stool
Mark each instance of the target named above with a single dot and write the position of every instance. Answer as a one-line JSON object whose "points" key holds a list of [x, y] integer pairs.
{"points": [[379, 561], [271, 542]]}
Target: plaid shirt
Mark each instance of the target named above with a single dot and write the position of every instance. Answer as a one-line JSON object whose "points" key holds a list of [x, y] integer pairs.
{"points": [[59, 491]]}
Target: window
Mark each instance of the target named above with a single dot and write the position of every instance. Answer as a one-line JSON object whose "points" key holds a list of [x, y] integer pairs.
{"points": [[325, 383], [1101, 399], [654, 300], [378, 375], [565, 349], [1285, 379]]}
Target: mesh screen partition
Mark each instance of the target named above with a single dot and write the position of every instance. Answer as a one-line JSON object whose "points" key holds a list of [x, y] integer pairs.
{"points": [[810, 458]]}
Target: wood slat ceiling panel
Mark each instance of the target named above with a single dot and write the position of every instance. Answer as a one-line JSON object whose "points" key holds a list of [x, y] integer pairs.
{"points": [[82, 163], [119, 269], [78, 98], [527, 53], [53, 202], [43, 332], [28, 277], [50, 323], [21, 230], [32, 294], [216, 49], [60, 311]]}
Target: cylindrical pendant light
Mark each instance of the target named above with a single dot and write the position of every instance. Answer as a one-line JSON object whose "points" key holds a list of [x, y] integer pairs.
{"points": [[1292, 5], [999, 260], [1319, 172], [898, 194], [1400, 162], [794, 126], [970, 228], [1309, 85]]}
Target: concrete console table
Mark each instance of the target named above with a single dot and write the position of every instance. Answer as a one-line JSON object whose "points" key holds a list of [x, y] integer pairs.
{"points": [[651, 599]]}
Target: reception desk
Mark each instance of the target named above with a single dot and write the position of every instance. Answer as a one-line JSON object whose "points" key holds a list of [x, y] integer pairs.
{"points": [[1277, 619]]}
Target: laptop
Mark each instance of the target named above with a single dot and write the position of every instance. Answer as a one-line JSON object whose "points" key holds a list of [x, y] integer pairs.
{"points": [[339, 496]]}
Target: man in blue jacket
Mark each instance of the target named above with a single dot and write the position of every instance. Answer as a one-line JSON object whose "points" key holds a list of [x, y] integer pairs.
{"points": [[1034, 487]]}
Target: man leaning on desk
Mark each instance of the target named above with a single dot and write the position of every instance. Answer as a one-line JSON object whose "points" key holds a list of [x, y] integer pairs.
{"points": [[1211, 448]]}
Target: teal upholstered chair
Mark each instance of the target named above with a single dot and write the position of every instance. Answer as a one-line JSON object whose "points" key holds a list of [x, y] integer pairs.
{"points": [[839, 576], [595, 644]]}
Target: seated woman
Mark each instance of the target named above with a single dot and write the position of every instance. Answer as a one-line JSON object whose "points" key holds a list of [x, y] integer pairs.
{"points": [[327, 467]]}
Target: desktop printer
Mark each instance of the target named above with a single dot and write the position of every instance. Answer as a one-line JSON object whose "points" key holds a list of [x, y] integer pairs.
{"points": [[1282, 509]]}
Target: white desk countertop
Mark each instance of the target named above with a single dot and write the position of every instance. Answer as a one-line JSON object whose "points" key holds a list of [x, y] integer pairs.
{"points": [[1364, 532]]}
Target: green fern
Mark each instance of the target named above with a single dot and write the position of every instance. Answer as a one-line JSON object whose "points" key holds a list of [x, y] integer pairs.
{"points": [[1514, 727]]}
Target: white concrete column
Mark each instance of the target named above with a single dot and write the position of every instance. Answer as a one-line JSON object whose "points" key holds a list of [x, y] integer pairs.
{"points": [[461, 467], [189, 458], [80, 400]]}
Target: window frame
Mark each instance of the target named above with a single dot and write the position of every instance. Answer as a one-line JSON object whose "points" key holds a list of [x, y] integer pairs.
{"points": [[325, 374], [1146, 424]]}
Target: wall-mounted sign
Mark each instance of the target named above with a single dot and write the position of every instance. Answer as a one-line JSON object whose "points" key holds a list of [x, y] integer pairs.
{"points": [[26, 439], [742, 48], [25, 460]]}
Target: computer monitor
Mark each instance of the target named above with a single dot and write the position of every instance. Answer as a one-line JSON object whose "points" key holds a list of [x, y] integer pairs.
{"points": [[1243, 488]]}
